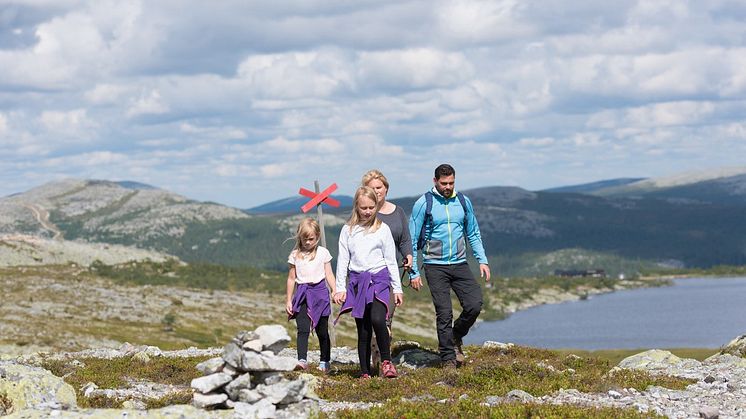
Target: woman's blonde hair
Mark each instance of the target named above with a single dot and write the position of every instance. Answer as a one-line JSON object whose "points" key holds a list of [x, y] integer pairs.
{"points": [[306, 227], [373, 223], [372, 175]]}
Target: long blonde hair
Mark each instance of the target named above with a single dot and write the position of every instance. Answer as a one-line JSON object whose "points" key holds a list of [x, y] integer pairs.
{"points": [[306, 227], [373, 223]]}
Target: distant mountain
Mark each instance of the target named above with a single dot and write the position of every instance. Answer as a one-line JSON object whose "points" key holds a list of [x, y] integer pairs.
{"points": [[134, 185], [697, 224], [595, 186], [293, 205], [727, 184]]}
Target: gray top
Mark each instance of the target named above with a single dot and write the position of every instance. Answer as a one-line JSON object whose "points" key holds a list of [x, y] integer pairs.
{"points": [[399, 226]]}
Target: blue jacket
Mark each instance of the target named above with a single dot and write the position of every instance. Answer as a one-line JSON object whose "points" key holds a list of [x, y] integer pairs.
{"points": [[446, 245]]}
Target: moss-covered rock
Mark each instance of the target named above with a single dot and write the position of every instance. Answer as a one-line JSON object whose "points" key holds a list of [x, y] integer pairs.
{"points": [[736, 347], [27, 387]]}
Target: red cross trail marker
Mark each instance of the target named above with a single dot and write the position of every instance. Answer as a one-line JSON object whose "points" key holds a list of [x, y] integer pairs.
{"points": [[318, 198], [311, 194]]}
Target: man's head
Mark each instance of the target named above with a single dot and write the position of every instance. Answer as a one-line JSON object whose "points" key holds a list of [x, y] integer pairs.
{"points": [[445, 180]]}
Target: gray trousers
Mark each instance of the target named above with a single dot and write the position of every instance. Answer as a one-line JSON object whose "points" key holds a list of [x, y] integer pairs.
{"points": [[441, 279]]}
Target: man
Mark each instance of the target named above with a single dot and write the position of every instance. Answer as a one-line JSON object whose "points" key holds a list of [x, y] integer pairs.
{"points": [[441, 231]]}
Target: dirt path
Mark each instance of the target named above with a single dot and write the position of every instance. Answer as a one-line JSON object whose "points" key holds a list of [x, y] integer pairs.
{"points": [[42, 216]]}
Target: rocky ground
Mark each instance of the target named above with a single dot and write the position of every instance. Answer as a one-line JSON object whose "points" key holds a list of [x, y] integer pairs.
{"points": [[719, 390]]}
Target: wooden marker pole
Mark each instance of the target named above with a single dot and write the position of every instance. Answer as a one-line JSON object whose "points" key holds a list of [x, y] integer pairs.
{"points": [[320, 214]]}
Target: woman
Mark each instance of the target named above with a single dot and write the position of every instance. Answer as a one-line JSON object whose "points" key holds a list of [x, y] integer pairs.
{"points": [[366, 273], [398, 223]]}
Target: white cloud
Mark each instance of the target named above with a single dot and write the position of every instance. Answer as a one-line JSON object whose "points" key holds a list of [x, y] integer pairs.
{"points": [[3, 125], [106, 94], [149, 103], [413, 68]]}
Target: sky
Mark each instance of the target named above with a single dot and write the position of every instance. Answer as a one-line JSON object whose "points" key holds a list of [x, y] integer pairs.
{"points": [[244, 102]]}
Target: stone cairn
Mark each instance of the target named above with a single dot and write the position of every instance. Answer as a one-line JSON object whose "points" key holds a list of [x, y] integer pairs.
{"points": [[248, 376]]}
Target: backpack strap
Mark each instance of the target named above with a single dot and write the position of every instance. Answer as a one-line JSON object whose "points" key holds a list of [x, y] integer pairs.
{"points": [[428, 219], [462, 200]]}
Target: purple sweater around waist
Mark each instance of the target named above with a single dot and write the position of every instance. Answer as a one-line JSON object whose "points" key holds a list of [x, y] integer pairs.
{"points": [[363, 288], [316, 298]]}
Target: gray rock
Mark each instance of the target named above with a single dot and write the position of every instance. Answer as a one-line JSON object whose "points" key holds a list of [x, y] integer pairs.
{"points": [[280, 363], [245, 336], [252, 361], [249, 396], [707, 412], [30, 387], [134, 405], [141, 357], [230, 370], [273, 337], [416, 358], [153, 351], [284, 392], [204, 401], [497, 345], [232, 354], [261, 409], [211, 382], [253, 345], [211, 366], [303, 409], [519, 395], [493, 400], [736, 347], [267, 378], [240, 383], [652, 359]]}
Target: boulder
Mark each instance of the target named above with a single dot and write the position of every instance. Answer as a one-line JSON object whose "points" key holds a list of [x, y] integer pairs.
{"points": [[284, 392], [211, 382], [261, 409], [736, 347], [274, 337], [204, 401], [27, 387], [240, 383], [232, 353], [416, 358], [211, 366], [652, 359], [249, 396]]}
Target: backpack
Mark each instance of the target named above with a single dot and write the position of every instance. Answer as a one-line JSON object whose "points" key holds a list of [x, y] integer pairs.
{"points": [[429, 216]]}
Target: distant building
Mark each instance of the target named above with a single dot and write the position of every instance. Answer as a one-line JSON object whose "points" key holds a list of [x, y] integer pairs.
{"points": [[580, 273]]}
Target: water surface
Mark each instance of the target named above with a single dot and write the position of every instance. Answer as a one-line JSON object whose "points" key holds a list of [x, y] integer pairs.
{"points": [[695, 313]]}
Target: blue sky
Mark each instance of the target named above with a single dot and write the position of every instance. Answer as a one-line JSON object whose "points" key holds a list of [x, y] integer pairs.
{"points": [[243, 102]]}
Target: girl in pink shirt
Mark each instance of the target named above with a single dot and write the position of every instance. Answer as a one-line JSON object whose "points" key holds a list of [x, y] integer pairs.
{"points": [[309, 265]]}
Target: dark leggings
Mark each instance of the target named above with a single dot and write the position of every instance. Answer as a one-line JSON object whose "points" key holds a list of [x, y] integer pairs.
{"points": [[373, 320], [304, 329]]}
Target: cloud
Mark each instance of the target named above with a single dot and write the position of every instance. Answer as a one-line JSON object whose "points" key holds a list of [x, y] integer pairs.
{"points": [[190, 94]]}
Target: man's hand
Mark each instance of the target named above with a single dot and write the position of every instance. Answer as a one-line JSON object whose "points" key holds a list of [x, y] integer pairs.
{"points": [[484, 271], [416, 283], [340, 297], [398, 299]]}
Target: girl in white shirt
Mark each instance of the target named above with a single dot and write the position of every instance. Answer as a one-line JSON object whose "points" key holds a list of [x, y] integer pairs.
{"points": [[366, 270], [309, 264]]}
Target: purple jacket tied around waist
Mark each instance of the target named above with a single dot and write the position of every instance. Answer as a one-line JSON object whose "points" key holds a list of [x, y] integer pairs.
{"points": [[362, 289], [316, 297]]}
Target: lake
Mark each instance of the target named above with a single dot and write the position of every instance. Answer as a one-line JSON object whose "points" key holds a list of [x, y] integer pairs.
{"points": [[693, 313]]}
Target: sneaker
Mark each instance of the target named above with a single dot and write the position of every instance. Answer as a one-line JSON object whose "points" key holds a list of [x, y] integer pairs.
{"points": [[364, 376], [389, 370], [302, 365], [458, 343], [325, 366]]}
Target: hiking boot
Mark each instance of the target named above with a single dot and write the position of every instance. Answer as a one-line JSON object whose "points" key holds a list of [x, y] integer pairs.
{"points": [[458, 343], [389, 370]]}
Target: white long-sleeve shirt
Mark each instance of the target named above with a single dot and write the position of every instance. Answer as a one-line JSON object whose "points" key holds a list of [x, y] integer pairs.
{"points": [[362, 251]]}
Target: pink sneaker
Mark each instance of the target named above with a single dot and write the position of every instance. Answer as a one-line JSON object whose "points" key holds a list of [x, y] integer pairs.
{"points": [[389, 370], [364, 376], [302, 365]]}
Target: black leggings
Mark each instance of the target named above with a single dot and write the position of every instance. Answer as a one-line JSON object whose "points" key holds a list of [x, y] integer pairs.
{"points": [[304, 329], [374, 319]]}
